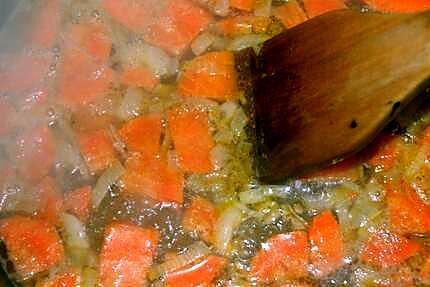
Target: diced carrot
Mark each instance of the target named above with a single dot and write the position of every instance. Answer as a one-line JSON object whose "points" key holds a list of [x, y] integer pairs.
{"points": [[407, 212], [284, 256], [290, 14], [326, 241], [192, 139], [126, 255], [425, 136], [140, 77], [51, 204], [384, 152], [197, 274], [35, 153], [143, 134], [87, 120], [33, 245], [34, 98], [66, 279], [399, 6], [45, 27], [8, 117], [243, 24], [177, 26], [133, 14], [81, 79], [317, 7], [200, 217], [153, 178], [385, 249], [22, 73], [92, 37], [245, 5], [97, 150], [212, 75], [78, 202]]}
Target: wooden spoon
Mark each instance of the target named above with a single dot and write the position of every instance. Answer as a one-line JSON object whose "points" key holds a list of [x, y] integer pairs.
{"points": [[327, 87]]}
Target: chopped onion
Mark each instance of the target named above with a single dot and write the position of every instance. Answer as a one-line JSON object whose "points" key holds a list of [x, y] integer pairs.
{"points": [[227, 222], [159, 61], [263, 8], [238, 122], [89, 277], [118, 144], [247, 41], [229, 108], [131, 104], [202, 43], [222, 7], [194, 252], [218, 156], [76, 235], [252, 196], [108, 178], [76, 239]]}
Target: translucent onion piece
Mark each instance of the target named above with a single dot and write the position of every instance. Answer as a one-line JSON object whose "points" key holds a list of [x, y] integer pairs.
{"points": [[202, 43], [247, 41], [194, 252], [263, 8], [108, 178], [159, 61], [131, 104], [227, 222], [76, 235], [222, 7]]}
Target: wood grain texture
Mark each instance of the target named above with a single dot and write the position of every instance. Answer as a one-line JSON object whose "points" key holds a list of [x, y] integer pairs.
{"points": [[327, 87]]}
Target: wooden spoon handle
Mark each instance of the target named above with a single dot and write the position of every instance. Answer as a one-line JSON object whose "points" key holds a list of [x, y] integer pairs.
{"points": [[326, 88]]}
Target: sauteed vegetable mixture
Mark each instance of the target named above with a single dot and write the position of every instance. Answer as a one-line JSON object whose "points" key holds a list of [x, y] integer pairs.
{"points": [[125, 158]]}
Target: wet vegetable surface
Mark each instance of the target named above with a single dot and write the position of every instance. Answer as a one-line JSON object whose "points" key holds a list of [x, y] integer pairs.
{"points": [[126, 157]]}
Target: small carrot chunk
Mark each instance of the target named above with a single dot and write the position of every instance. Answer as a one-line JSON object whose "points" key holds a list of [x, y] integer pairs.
{"points": [[244, 5], [81, 79], [386, 249], [143, 135], [126, 255], [326, 241], [212, 75], [284, 256], [46, 24], [192, 139], [243, 24], [177, 26], [290, 14], [407, 212], [35, 153], [317, 7], [33, 245], [399, 6], [51, 204], [78, 202], [197, 274], [153, 178], [384, 152], [133, 14], [21, 73], [140, 78], [93, 38], [200, 217], [8, 117], [66, 279], [97, 150]]}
